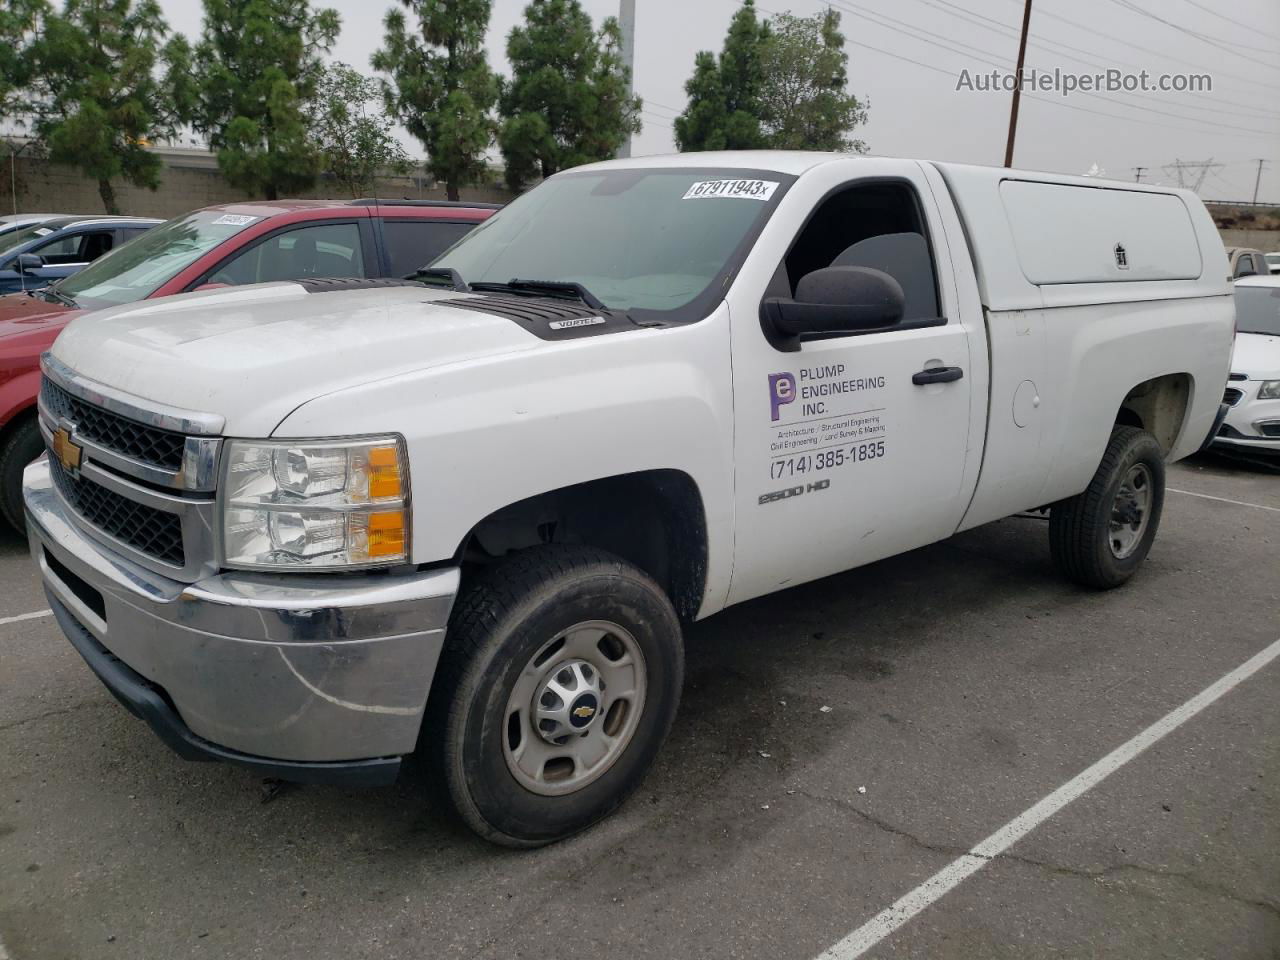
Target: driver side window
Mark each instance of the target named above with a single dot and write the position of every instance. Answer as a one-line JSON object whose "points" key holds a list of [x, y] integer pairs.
{"points": [[319, 250], [874, 225]]}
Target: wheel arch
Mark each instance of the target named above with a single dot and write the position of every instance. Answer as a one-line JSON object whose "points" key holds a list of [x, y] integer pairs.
{"points": [[654, 519], [1159, 406]]}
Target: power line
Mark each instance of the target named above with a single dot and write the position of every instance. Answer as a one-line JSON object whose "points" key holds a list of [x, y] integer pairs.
{"points": [[878, 19], [1096, 96], [1239, 23], [1217, 71], [1224, 46]]}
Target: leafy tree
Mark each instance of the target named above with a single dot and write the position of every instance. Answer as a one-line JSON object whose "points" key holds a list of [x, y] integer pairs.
{"points": [[567, 102], [20, 24], [441, 87], [724, 107], [97, 92], [354, 145], [257, 66], [804, 101]]}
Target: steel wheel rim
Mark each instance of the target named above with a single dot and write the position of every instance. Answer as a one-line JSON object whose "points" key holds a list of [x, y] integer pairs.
{"points": [[1130, 511], [552, 760]]}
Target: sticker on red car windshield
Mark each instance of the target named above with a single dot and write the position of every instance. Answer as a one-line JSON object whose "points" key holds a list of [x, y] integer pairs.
{"points": [[234, 219], [736, 189]]}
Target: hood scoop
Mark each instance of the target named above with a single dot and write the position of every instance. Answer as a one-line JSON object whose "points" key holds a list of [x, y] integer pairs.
{"points": [[546, 317]]}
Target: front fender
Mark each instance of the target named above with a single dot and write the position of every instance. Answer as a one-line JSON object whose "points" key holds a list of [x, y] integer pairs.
{"points": [[489, 433]]}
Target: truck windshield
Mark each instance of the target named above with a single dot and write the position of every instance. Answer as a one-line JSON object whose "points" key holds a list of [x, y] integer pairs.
{"points": [[137, 269], [663, 240], [1258, 310]]}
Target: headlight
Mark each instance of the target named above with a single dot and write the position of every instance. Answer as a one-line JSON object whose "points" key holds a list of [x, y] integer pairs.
{"points": [[1270, 390], [319, 504]]}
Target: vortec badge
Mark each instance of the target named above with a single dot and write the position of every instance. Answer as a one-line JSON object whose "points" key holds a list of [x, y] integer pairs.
{"points": [[65, 449], [575, 322]]}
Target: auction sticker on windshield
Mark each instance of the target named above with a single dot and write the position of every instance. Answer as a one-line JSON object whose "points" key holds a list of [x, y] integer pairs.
{"points": [[234, 219], [734, 189]]}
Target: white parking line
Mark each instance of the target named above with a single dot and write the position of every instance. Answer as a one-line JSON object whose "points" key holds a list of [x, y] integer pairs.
{"points": [[1238, 503], [18, 619], [887, 921]]}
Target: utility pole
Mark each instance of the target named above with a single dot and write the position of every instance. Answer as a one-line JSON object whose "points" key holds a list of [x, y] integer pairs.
{"points": [[1017, 90], [1137, 173], [627, 24], [1258, 179], [1182, 170]]}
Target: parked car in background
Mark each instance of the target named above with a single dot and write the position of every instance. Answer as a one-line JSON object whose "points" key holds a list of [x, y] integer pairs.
{"points": [[1247, 262], [16, 221], [41, 253], [1252, 425], [223, 245], [1273, 261]]}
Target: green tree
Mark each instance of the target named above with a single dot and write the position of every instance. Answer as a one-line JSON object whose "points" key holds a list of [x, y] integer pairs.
{"points": [[724, 109], [97, 90], [441, 87], [805, 104], [567, 101], [20, 26], [257, 66], [355, 145]]}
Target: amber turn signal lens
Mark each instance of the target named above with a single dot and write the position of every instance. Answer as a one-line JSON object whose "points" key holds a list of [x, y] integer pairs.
{"points": [[386, 534], [384, 474]]}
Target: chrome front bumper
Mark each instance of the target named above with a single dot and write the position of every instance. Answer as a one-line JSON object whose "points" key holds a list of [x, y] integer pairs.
{"points": [[299, 669]]}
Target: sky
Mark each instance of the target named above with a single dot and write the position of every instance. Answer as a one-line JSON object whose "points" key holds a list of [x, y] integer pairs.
{"points": [[907, 57]]}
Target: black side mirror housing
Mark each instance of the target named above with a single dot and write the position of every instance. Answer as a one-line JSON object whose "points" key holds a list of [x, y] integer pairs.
{"points": [[837, 300], [29, 262]]}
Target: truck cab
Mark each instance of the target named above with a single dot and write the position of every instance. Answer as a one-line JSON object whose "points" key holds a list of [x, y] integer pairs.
{"points": [[312, 527]]}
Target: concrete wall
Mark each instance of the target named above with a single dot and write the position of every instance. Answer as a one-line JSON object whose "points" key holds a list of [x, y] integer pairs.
{"points": [[47, 187]]}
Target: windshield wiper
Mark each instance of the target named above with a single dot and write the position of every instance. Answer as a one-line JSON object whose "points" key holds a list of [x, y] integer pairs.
{"points": [[450, 276], [553, 287], [57, 295]]}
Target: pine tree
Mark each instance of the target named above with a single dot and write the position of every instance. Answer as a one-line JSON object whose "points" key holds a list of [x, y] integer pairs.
{"points": [[258, 65], [724, 110], [441, 87], [567, 101], [96, 88]]}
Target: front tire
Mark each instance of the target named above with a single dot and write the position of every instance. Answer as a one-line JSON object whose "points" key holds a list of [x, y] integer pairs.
{"points": [[17, 450], [1098, 538], [560, 679]]}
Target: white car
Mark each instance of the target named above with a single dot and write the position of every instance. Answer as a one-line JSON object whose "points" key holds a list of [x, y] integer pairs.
{"points": [[1253, 390], [1273, 261], [310, 527]]}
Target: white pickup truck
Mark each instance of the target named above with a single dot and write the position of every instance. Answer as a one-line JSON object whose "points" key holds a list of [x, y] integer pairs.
{"points": [[311, 527]]}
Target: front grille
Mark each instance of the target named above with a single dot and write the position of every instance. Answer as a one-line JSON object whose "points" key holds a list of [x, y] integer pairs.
{"points": [[161, 448], [153, 532], [1232, 396]]}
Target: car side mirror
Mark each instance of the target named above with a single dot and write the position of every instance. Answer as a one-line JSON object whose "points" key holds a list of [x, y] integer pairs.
{"points": [[29, 262], [838, 300]]}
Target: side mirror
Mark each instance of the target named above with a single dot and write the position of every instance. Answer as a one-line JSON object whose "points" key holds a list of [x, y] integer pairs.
{"points": [[29, 262], [838, 300]]}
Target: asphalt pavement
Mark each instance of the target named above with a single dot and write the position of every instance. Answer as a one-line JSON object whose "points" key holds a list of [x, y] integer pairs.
{"points": [[965, 682]]}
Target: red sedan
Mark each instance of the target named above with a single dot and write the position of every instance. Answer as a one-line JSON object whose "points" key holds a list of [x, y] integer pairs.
{"points": [[233, 243]]}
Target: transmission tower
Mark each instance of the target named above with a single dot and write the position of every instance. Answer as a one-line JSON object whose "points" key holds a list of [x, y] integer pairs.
{"points": [[1191, 173]]}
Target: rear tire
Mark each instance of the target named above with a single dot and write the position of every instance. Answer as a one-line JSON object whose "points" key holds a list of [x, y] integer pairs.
{"points": [[1100, 537], [559, 681], [22, 445]]}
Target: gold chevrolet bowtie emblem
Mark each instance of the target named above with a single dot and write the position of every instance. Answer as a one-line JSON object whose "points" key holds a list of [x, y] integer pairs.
{"points": [[65, 449], [584, 712]]}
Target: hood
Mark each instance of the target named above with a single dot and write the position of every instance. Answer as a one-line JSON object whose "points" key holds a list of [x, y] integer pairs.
{"points": [[20, 314], [253, 354], [1257, 355]]}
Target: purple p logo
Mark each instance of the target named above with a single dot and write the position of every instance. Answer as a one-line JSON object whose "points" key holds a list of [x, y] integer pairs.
{"points": [[782, 390]]}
